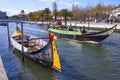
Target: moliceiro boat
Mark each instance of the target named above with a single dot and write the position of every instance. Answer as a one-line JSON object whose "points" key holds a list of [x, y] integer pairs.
{"points": [[44, 52], [64, 32]]}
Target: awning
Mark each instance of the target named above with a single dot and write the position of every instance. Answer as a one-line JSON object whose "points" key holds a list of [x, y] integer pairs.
{"points": [[112, 17]]}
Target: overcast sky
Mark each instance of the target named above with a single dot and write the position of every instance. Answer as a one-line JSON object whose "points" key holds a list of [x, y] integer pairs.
{"points": [[13, 7]]}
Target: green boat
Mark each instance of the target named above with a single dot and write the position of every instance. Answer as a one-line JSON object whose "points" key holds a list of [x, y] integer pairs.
{"points": [[80, 36]]}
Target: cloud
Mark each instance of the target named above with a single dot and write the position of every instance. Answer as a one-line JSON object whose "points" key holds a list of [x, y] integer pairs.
{"points": [[11, 12], [76, 3], [68, 4], [46, 0], [65, 3]]}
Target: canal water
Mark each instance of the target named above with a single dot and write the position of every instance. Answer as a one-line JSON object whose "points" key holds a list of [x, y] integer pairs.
{"points": [[80, 61]]}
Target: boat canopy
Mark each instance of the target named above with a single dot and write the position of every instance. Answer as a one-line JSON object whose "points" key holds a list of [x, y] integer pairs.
{"points": [[18, 32]]}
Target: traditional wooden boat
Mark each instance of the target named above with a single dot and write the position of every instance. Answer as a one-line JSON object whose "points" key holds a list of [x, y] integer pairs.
{"points": [[77, 35], [45, 52]]}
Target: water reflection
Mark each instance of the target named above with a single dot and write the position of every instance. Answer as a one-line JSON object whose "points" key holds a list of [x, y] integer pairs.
{"points": [[39, 71], [93, 61]]}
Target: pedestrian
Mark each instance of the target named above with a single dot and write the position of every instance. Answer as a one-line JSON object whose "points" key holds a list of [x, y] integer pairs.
{"points": [[83, 29]]}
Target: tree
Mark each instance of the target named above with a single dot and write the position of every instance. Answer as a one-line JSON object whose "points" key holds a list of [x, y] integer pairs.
{"points": [[46, 11], [39, 15], [109, 9], [22, 14], [30, 15], [65, 14], [55, 10], [100, 11], [14, 17], [76, 12]]}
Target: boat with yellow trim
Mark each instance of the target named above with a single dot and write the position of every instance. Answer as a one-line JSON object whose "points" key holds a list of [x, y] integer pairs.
{"points": [[38, 49], [64, 32]]}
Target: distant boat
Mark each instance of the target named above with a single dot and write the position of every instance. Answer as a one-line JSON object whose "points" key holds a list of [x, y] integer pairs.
{"points": [[38, 49], [77, 35]]}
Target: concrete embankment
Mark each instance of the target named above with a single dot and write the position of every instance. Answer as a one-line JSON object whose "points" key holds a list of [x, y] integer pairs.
{"points": [[3, 75]]}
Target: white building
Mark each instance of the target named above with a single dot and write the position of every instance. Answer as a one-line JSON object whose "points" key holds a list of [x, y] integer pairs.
{"points": [[116, 12], [3, 15]]}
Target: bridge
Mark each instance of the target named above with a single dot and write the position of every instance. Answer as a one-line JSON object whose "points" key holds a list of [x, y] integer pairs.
{"points": [[4, 22], [7, 20]]}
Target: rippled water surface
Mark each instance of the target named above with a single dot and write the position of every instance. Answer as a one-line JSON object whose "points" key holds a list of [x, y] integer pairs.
{"points": [[80, 61]]}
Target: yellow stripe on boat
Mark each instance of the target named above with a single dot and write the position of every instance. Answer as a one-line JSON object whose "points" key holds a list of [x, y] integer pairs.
{"points": [[56, 59]]}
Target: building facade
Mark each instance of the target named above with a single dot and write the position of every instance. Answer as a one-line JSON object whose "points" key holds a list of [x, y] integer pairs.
{"points": [[3, 15], [116, 12]]}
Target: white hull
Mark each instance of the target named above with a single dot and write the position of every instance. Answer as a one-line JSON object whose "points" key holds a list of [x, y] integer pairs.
{"points": [[18, 46]]}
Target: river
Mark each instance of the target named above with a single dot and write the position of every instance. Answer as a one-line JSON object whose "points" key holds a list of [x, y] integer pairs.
{"points": [[80, 60]]}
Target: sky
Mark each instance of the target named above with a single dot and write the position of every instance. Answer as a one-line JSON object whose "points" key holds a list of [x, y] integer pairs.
{"points": [[13, 7]]}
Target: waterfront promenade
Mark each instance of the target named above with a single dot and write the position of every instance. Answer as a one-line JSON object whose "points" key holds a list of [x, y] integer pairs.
{"points": [[3, 75], [95, 25], [92, 24]]}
